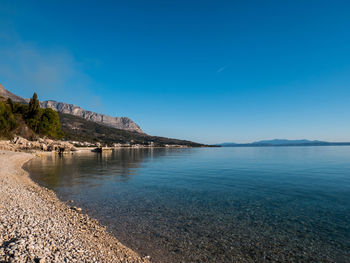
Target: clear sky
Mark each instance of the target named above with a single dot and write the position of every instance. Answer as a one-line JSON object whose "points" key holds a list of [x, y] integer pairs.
{"points": [[208, 71]]}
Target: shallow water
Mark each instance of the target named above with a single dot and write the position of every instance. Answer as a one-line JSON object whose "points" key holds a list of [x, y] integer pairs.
{"points": [[263, 204]]}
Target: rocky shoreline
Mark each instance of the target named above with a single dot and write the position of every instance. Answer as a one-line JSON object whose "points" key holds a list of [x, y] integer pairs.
{"points": [[35, 226], [46, 145]]}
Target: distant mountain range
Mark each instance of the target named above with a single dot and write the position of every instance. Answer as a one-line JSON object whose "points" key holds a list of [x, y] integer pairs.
{"points": [[283, 142]]}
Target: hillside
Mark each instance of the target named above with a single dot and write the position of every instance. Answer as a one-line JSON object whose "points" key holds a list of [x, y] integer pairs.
{"points": [[78, 129], [57, 119], [123, 123], [7, 94]]}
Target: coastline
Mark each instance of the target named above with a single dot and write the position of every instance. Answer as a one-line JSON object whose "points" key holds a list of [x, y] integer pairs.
{"points": [[35, 226]]}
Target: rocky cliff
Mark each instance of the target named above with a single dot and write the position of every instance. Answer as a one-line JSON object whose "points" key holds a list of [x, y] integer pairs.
{"points": [[123, 123]]}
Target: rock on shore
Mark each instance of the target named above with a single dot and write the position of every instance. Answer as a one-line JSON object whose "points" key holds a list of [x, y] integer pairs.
{"points": [[36, 227], [19, 143]]}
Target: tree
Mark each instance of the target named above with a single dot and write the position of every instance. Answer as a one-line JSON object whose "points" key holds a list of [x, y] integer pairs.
{"points": [[44, 122], [50, 124], [34, 104], [10, 103], [34, 113], [7, 120]]}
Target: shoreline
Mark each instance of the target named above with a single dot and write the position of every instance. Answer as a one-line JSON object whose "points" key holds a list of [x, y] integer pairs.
{"points": [[35, 226]]}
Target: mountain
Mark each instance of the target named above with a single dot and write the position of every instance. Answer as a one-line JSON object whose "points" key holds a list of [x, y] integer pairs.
{"points": [[123, 123], [228, 144], [283, 142], [286, 142], [79, 129], [80, 125], [6, 94]]}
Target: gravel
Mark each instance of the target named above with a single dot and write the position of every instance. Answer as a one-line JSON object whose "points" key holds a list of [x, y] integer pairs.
{"points": [[36, 227]]}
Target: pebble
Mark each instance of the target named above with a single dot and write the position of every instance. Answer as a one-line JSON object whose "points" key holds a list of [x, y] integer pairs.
{"points": [[36, 227]]}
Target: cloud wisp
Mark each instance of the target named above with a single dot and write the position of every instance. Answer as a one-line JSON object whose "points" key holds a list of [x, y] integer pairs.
{"points": [[222, 69]]}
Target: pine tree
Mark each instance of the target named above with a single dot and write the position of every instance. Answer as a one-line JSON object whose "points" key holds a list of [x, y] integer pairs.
{"points": [[34, 104], [34, 113]]}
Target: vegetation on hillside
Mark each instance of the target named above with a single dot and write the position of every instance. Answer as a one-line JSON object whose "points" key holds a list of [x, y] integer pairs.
{"points": [[30, 121], [8, 121], [79, 129], [41, 122]]}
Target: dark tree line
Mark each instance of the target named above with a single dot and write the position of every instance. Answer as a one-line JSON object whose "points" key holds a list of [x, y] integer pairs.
{"points": [[43, 122]]}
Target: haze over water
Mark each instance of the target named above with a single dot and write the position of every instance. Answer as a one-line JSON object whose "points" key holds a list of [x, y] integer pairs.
{"points": [[251, 204]]}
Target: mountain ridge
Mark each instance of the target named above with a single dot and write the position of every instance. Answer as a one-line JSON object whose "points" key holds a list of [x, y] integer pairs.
{"points": [[85, 129], [286, 141], [79, 129], [7, 94], [123, 123], [283, 142]]}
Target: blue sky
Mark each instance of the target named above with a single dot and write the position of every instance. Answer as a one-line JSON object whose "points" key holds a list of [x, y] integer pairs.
{"points": [[208, 71]]}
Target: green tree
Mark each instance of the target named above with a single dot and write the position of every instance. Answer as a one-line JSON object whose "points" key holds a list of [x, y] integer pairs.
{"points": [[34, 113], [44, 122], [34, 104], [7, 120], [10, 103], [20, 109], [50, 124]]}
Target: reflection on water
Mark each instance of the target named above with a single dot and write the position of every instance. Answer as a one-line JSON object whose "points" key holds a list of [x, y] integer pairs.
{"points": [[283, 204], [87, 168]]}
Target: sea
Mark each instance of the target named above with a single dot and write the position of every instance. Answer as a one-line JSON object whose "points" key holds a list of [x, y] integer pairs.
{"points": [[239, 204]]}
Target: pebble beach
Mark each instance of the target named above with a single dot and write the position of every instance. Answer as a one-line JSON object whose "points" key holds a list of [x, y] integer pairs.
{"points": [[35, 226]]}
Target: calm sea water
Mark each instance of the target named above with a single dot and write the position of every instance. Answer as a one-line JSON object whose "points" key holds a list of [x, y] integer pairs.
{"points": [[266, 204]]}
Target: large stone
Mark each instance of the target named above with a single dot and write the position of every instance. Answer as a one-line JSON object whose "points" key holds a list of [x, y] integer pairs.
{"points": [[43, 147]]}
